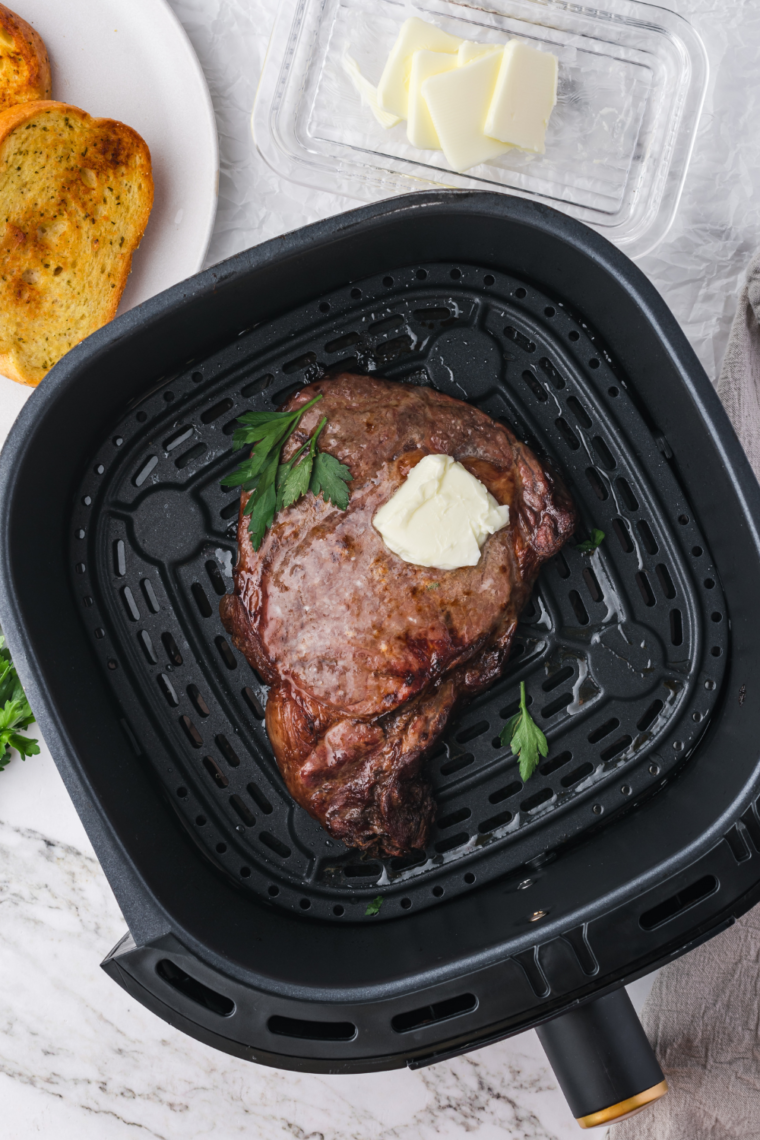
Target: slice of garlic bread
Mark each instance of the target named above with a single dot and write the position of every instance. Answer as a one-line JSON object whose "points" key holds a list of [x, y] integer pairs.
{"points": [[24, 63], [75, 197]]}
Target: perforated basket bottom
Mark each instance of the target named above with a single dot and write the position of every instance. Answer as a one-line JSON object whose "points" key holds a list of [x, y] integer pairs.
{"points": [[622, 652]]}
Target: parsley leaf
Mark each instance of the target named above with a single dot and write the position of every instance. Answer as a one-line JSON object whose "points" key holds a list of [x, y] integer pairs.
{"points": [[591, 544], [15, 713], [525, 737], [374, 906], [273, 485]]}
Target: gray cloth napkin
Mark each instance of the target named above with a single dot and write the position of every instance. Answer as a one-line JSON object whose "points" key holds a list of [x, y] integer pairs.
{"points": [[703, 1014]]}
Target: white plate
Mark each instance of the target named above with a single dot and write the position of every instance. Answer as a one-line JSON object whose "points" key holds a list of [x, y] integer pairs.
{"points": [[131, 60]]}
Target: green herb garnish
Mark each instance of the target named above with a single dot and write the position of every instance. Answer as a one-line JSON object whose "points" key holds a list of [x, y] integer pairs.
{"points": [[525, 737], [274, 485], [374, 906], [591, 544], [15, 713]]}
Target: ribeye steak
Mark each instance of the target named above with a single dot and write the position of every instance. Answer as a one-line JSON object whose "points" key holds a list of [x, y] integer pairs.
{"points": [[368, 655]]}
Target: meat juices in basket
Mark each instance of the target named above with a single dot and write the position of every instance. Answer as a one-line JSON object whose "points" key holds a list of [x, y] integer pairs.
{"points": [[368, 655]]}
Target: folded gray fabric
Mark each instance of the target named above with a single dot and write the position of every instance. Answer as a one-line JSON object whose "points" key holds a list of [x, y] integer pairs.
{"points": [[703, 1014]]}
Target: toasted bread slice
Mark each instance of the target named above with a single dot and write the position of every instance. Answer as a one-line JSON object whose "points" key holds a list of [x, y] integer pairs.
{"points": [[75, 197], [24, 63]]}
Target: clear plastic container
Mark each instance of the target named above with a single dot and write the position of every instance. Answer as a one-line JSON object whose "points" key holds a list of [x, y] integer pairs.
{"points": [[632, 80]]}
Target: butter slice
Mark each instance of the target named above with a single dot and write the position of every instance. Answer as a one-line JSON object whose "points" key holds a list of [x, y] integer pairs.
{"points": [[419, 128], [414, 35], [367, 92], [470, 50], [526, 92], [440, 516], [458, 102]]}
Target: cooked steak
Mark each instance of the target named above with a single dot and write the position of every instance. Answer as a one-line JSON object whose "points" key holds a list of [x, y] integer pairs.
{"points": [[366, 654]]}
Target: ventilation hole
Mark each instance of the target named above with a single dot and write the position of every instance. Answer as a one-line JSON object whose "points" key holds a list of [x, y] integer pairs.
{"points": [[472, 732], [666, 582], [227, 751], [620, 527], [119, 558], [552, 373], [519, 339], [716, 617], [197, 377], [147, 646], [231, 509], [184, 433], [593, 586], [686, 898], [307, 360], [112, 664], [305, 903], [257, 386], [216, 411], [216, 773], [338, 910], [574, 335], [253, 703], [530, 610], [437, 891], [495, 821], [191, 732], [188, 456], [172, 652], [144, 471], [650, 544], [613, 750], [421, 274], [557, 679], [80, 567], [117, 441], [226, 654], [430, 1014], [715, 651], [535, 801], [535, 387], [567, 433], [394, 347], [642, 581], [557, 705], [554, 763], [182, 792], [578, 410], [456, 765], [141, 417], [489, 280], [562, 567], [604, 453], [284, 394], [697, 551], [683, 520], [195, 696], [549, 311], [130, 605], [709, 584], [520, 292], [454, 818], [274, 891], [245, 813], [167, 689], [649, 716], [676, 630], [505, 793], [613, 391], [386, 325], [217, 581], [432, 314], [593, 363], [363, 870], [275, 844], [245, 872], [258, 797], [201, 601], [578, 607], [597, 485], [453, 841], [603, 730], [343, 342], [403, 862], [194, 990], [577, 775]]}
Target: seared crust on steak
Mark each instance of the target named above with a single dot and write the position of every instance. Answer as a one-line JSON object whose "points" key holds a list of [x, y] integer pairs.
{"points": [[366, 654]]}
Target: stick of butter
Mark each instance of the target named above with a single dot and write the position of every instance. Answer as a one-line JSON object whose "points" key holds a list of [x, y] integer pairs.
{"points": [[419, 128], [458, 102], [525, 93], [470, 50], [414, 35]]}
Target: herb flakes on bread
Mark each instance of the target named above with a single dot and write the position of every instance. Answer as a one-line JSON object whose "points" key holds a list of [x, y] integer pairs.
{"points": [[75, 197], [24, 63]]}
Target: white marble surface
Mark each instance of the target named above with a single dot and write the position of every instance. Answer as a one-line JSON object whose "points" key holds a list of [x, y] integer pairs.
{"points": [[79, 1060]]}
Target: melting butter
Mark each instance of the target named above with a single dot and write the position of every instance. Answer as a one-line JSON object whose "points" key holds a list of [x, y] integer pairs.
{"points": [[440, 516]]}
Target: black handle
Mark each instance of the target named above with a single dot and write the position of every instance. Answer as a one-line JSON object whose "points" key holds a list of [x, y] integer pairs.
{"points": [[603, 1061]]}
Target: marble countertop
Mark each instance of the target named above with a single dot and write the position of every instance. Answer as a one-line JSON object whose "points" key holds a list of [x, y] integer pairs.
{"points": [[79, 1059]]}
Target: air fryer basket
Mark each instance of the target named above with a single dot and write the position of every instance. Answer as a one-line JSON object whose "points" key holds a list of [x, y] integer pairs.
{"points": [[639, 835]]}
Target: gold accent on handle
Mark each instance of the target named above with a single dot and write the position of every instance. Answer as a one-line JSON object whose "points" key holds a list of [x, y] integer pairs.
{"points": [[624, 1108]]}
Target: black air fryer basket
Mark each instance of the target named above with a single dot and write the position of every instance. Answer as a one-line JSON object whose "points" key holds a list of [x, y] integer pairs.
{"points": [[637, 839]]}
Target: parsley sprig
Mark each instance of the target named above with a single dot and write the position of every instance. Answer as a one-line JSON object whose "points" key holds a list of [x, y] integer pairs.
{"points": [[591, 544], [526, 738], [373, 908], [274, 485], [15, 713]]}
